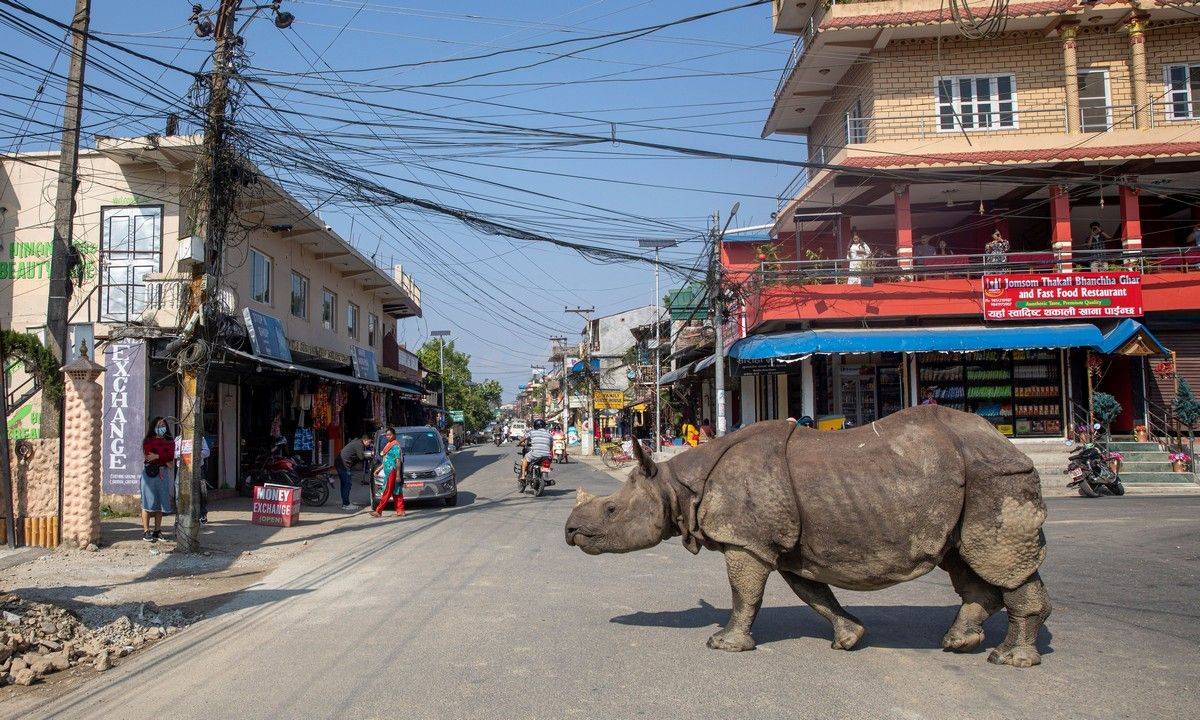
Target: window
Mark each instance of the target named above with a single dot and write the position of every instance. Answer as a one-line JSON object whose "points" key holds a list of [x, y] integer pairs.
{"points": [[130, 248], [1095, 115], [372, 329], [329, 309], [976, 102], [299, 296], [260, 277], [352, 320], [856, 124], [1183, 92]]}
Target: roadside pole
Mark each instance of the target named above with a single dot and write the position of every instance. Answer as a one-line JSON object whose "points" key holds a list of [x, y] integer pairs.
{"points": [[563, 394], [587, 441], [657, 245], [6, 494], [718, 320], [441, 335]]}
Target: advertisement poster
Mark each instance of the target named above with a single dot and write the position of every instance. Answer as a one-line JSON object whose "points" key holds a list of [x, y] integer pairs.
{"points": [[1062, 296], [267, 338], [124, 416]]}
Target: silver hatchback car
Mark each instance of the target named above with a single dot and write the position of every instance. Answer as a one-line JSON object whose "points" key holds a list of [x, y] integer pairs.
{"points": [[428, 473]]}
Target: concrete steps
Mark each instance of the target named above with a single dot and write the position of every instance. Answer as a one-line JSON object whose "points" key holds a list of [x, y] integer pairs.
{"points": [[1145, 465]]}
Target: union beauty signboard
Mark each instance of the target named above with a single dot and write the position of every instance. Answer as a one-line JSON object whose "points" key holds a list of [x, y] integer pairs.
{"points": [[1062, 296]]}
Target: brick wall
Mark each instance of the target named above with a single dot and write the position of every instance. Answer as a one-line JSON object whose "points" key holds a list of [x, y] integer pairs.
{"points": [[829, 129], [1168, 44]]}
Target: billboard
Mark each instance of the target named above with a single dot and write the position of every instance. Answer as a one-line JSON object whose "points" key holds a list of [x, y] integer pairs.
{"points": [[267, 338], [364, 365], [124, 417], [1062, 296]]}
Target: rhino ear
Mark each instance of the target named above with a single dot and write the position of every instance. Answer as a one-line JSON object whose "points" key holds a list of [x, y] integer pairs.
{"points": [[648, 466], [582, 496]]}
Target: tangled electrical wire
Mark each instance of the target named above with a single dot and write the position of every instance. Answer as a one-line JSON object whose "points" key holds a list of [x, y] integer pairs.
{"points": [[980, 27]]}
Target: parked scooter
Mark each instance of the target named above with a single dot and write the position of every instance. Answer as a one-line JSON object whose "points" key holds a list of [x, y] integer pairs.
{"points": [[275, 465], [1090, 473]]}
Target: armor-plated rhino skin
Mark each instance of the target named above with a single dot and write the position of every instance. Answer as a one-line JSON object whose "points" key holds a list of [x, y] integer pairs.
{"points": [[861, 509]]}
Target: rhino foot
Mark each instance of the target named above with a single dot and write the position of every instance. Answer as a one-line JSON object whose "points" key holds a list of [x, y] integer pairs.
{"points": [[964, 638], [1021, 656], [731, 641], [846, 634]]}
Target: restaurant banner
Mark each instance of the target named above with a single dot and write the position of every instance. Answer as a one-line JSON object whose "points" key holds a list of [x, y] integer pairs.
{"points": [[124, 417], [1062, 296]]}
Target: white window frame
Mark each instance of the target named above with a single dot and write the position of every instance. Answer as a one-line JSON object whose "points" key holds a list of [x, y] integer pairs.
{"points": [[270, 263], [1192, 103], [353, 313], [993, 112], [1108, 110], [372, 329], [304, 300], [329, 319], [856, 125]]}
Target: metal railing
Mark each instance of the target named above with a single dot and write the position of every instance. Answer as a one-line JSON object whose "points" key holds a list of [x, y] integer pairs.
{"points": [[885, 268]]}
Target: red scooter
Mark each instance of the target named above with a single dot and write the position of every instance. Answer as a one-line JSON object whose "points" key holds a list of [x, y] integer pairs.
{"points": [[275, 465]]}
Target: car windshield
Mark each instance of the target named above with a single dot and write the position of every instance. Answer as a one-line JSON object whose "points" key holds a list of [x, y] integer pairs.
{"points": [[420, 443]]}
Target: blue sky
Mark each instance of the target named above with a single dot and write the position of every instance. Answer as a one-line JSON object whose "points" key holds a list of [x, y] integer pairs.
{"points": [[708, 83]]}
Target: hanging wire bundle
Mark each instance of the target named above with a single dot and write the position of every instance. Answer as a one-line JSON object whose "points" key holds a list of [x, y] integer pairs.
{"points": [[980, 26]]}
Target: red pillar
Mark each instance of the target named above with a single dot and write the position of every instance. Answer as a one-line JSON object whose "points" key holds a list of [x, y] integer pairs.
{"points": [[845, 223], [1131, 219], [1060, 227], [904, 231]]}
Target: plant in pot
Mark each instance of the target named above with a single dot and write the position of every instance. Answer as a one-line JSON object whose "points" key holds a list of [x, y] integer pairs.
{"points": [[1187, 411], [1106, 409], [1140, 433], [1180, 461]]}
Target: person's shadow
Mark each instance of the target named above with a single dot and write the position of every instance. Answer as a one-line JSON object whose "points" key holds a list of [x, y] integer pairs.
{"points": [[919, 627]]}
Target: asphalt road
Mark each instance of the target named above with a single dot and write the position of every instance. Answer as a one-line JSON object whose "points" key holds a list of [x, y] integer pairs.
{"points": [[482, 611]]}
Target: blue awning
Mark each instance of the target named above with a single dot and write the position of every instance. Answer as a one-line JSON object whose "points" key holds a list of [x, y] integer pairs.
{"points": [[1128, 337], [594, 362]]}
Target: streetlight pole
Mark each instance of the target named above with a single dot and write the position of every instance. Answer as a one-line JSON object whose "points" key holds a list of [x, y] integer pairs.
{"points": [[441, 335], [657, 245], [586, 443]]}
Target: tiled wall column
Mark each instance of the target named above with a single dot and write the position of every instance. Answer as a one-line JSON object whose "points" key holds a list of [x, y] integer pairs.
{"points": [[1070, 75], [1060, 227], [1136, 28], [83, 415], [904, 232]]}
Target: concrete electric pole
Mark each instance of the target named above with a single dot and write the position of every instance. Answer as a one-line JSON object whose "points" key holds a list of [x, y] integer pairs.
{"points": [[64, 257], [441, 335], [714, 284], [586, 443], [657, 245]]}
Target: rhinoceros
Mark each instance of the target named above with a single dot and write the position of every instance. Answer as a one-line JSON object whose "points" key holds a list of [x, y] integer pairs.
{"points": [[861, 509]]}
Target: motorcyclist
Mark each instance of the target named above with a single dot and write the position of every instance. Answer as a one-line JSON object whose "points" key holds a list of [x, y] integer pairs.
{"points": [[540, 444]]}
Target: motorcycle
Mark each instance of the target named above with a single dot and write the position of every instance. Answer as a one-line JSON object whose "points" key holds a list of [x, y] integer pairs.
{"points": [[539, 475], [1090, 474], [498, 439], [275, 465]]}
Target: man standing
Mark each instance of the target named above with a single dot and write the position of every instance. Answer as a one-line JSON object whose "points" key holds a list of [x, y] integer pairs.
{"points": [[353, 455]]}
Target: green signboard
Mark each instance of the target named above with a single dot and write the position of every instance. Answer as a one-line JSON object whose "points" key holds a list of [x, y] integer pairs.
{"points": [[687, 303], [456, 416]]}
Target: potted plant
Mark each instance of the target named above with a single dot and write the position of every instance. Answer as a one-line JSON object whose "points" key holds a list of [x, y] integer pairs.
{"points": [[1187, 411], [1180, 461], [1114, 460], [1140, 433], [1083, 434], [1106, 409]]}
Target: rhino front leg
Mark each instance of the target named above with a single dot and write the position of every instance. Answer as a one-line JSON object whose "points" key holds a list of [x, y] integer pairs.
{"points": [[747, 578], [847, 630]]}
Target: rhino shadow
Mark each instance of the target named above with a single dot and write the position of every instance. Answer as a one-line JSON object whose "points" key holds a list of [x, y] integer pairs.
{"points": [[909, 627]]}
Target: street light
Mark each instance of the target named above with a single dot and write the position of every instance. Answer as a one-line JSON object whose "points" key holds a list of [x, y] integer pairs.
{"points": [[657, 245], [441, 361]]}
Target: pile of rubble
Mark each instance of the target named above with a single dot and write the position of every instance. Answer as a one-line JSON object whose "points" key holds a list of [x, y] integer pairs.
{"points": [[38, 639]]}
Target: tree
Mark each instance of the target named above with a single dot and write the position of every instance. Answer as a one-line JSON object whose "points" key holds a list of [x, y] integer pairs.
{"points": [[478, 401], [1187, 411], [1106, 409]]}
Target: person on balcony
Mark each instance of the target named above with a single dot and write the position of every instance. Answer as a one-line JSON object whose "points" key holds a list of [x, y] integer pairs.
{"points": [[1096, 243], [996, 251], [859, 256], [924, 247], [1194, 237]]}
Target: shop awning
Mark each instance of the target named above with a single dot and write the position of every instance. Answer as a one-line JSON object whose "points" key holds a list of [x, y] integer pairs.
{"points": [[578, 366], [677, 374], [405, 388], [1129, 337]]}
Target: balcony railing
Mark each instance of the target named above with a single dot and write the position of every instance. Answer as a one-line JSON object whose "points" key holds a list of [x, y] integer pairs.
{"points": [[887, 269]]}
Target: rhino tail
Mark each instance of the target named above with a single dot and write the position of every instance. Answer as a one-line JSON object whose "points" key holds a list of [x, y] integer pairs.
{"points": [[1000, 535]]}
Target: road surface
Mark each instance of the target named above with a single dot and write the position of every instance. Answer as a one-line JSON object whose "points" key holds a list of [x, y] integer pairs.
{"points": [[482, 611]]}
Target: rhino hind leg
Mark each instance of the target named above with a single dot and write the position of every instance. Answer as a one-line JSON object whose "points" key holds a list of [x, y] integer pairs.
{"points": [[847, 629], [980, 600], [1028, 606], [747, 579]]}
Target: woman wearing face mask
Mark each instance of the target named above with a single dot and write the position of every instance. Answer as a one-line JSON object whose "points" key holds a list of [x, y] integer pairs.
{"points": [[159, 451]]}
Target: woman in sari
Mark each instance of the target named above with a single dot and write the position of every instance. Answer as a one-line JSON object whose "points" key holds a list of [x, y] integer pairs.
{"points": [[393, 463]]}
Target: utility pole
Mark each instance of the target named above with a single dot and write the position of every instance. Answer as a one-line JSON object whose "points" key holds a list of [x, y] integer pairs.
{"points": [[586, 444], [657, 245], [533, 373], [714, 282], [64, 257], [441, 335], [563, 393], [6, 495]]}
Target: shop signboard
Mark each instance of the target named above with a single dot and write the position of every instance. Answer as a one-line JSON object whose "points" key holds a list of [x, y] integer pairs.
{"points": [[124, 416], [577, 402], [277, 505], [610, 399], [457, 416], [364, 365], [1062, 296], [267, 338]]}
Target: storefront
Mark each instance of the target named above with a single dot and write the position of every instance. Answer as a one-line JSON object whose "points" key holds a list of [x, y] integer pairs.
{"points": [[1019, 391], [858, 387]]}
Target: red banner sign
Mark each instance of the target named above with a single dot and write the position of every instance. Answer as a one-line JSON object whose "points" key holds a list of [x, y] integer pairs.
{"points": [[1062, 296], [276, 505]]}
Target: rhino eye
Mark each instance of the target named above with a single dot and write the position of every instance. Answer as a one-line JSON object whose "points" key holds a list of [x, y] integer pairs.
{"points": [[610, 510]]}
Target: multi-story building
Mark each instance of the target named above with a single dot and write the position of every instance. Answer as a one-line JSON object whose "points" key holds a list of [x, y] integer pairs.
{"points": [[308, 339], [929, 141]]}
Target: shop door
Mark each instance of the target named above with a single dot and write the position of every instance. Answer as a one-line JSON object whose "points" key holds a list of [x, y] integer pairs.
{"points": [[858, 393], [225, 455]]}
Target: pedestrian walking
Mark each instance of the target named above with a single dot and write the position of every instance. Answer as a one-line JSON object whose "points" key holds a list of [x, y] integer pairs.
{"points": [[158, 450], [353, 455], [393, 464]]}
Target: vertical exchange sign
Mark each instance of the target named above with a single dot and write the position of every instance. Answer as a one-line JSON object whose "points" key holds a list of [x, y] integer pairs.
{"points": [[124, 416]]}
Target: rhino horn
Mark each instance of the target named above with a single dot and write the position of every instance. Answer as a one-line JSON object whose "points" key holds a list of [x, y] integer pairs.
{"points": [[582, 496], [649, 468]]}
